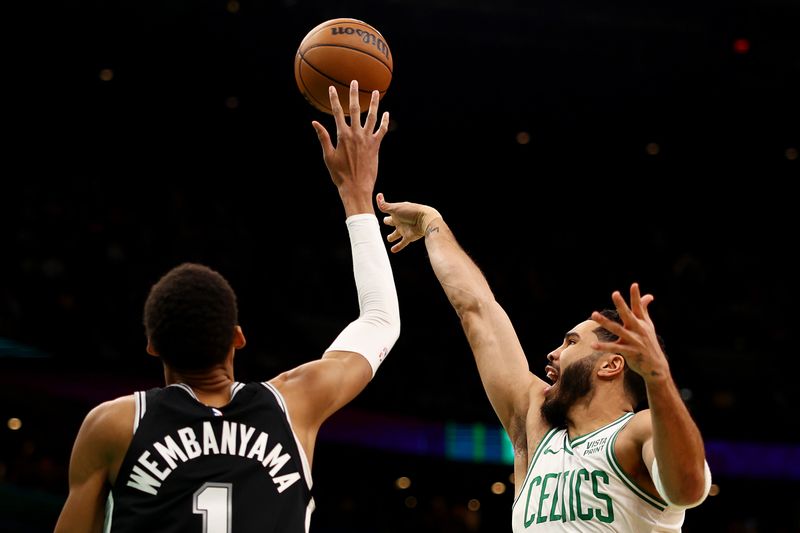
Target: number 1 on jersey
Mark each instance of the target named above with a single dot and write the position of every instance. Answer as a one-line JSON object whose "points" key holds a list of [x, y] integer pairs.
{"points": [[213, 501]]}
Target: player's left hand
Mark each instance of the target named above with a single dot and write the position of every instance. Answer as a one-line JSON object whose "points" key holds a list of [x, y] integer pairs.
{"points": [[637, 341]]}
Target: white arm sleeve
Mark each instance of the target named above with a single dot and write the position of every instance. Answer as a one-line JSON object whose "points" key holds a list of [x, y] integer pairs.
{"points": [[663, 493], [377, 328]]}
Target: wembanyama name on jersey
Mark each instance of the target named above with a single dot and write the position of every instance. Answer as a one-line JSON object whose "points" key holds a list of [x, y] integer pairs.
{"points": [[163, 456]]}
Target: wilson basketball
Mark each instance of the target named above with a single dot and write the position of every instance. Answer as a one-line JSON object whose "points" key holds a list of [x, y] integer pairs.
{"points": [[337, 52]]}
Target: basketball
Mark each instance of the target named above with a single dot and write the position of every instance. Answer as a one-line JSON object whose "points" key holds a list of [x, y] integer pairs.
{"points": [[337, 52]]}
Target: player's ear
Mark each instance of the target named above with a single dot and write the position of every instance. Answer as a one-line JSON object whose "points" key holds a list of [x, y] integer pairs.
{"points": [[239, 341], [150, 349], [612, 366]]}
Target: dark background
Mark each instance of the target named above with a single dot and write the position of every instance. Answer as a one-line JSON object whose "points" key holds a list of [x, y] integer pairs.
{"points": [[658, 153]]}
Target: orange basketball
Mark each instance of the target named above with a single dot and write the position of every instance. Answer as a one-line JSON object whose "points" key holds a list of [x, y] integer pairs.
{"points": [[337, 52]]}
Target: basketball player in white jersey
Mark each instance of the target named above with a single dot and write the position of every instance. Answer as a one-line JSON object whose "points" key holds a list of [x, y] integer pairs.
{"points": [[206, 453], [583, 459]]}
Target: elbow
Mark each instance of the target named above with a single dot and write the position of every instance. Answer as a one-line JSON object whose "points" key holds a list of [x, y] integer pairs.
{"points": [[692, 490], [391, 330], [387, 321], [469, 305], [689, 490]]}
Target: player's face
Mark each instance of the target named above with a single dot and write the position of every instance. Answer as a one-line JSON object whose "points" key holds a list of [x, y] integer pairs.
{"points": [[576, 346], [571, 368]]}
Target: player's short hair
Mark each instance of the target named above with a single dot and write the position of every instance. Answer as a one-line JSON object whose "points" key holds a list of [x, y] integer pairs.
{"points": [[189, 317]]}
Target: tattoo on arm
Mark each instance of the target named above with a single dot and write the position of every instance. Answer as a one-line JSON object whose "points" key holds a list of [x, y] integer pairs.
{"points": [[653, 373], [431, 230]]}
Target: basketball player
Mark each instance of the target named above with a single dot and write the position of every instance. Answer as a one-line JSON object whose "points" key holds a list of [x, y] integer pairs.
{"points": [[584, 460], [207, 453]]}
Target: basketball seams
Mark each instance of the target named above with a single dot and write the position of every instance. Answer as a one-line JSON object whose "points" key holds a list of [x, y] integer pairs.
{"points": [[308, 94], [344, 84], [328, 45]]}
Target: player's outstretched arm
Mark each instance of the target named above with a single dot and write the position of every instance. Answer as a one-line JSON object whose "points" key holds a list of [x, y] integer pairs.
{"points": [[498, 353], [317, 389]]}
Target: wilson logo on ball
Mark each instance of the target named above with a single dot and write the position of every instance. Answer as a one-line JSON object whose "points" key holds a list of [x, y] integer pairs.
{"points": [[365, 36]]}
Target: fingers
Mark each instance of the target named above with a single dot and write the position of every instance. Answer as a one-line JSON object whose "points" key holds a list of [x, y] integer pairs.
{"points": [[639, 303], [647, 299], [372, 114], [395, 236], [355, 105], [622, 308], [384, 127], [400, 245], [605, 346], [636, 300], [383, 205], [324, 138], [372, 117], [614, 327], [336, 109]]}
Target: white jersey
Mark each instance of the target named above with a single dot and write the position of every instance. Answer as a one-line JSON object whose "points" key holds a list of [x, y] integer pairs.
{"points": [[579, 486]]}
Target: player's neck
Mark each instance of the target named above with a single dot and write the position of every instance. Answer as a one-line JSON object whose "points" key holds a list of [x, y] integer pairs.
{"points": [[212, 387], [599, 409]]}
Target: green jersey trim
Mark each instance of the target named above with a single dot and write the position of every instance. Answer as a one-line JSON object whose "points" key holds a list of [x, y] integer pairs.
{"points": [[542, 443], [655, 501], [577, 441]]}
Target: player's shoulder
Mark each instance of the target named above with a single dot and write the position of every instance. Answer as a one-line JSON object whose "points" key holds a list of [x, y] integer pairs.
{"points": [[111, 419], [306, 373], [639, 428], [113, 407]]}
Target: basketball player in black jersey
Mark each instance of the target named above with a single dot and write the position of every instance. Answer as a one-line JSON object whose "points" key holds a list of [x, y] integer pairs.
{"points": [[205, 453]]}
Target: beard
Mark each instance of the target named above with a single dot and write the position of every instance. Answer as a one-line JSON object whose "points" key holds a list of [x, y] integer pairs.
{"points": [[573, 385]]}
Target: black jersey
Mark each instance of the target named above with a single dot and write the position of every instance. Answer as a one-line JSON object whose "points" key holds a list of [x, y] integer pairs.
{"points": [[191, 468]]}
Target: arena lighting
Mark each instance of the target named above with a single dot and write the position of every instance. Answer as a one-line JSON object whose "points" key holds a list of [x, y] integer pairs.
{"points": [[9, 348], [477, 443], [741, 46], [498, 487]]}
